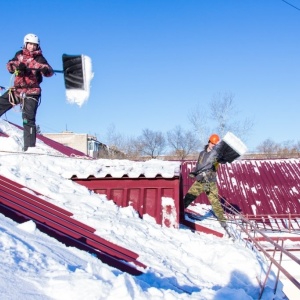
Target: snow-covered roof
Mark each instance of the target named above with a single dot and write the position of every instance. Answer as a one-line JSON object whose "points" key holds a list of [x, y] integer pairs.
{"points": [[257, 187], [125, 168]]}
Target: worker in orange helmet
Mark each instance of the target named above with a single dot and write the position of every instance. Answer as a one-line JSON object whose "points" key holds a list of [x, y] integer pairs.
{"points": [[205, 174]]}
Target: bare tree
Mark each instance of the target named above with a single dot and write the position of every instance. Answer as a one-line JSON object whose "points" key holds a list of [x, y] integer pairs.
{"points": [[272, 149], [115, 139], [268, 146], [199, 120], [183, 143], [133, 148], [223, 112], [153, 143], [120, 147], [221, 108]]}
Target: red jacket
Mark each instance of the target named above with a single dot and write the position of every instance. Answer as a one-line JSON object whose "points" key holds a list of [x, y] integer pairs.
{"points": [[29, 82]]}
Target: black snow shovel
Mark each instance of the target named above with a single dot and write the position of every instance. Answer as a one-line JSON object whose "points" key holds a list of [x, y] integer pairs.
{"points": [[74, 71], [226, 151]]}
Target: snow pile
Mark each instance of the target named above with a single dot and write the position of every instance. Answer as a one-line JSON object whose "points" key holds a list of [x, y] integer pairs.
{"points": [[181, 264], [80, 96]]}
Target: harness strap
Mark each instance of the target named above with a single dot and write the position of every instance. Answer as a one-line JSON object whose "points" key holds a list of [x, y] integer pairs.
{"points": [[11, 97]]}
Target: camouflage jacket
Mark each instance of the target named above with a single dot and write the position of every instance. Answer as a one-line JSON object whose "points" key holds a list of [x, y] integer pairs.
{"points": [[206, 167]]}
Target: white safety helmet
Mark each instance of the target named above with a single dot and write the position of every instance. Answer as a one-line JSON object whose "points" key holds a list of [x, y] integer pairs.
{"points": [[31, 38]]}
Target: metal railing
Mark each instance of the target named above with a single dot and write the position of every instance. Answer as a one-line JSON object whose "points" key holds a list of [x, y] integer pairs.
{"points": [[253, 237]]}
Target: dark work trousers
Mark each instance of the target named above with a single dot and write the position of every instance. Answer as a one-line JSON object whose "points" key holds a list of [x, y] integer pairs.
{"points": [[30, 106], [29, 109], [5, 105]]}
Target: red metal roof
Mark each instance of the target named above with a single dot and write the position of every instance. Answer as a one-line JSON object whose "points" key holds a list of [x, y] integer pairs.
{"points": [[3, 134], [257, 186], [268, 186], [15, 202], [57, 146]]}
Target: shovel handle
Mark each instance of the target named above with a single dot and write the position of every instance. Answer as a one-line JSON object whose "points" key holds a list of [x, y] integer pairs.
{"points": [[55, 71]]}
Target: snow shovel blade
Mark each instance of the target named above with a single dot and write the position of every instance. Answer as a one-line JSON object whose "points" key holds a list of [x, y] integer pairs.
{"points": [[230, 148], [73, 66]]}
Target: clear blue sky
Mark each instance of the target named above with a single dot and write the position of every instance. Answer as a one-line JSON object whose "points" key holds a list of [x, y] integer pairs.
{"points": [[155, 61]]}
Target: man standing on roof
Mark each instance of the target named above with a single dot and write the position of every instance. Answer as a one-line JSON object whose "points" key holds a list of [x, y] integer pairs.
{"points": [[205, 173], [29, 66]]}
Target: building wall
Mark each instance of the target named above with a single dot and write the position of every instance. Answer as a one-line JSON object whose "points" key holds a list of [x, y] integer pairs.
{"points": [[70, 139]]}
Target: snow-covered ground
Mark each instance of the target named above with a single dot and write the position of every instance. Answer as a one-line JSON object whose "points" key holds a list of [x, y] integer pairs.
{"points": [[181, 264]]}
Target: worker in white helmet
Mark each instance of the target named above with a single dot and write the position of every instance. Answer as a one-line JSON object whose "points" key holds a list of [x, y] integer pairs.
{"points": [[29, 66]]}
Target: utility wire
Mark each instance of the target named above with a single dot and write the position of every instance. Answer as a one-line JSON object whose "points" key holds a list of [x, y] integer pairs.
{"points": [[291, 4]]}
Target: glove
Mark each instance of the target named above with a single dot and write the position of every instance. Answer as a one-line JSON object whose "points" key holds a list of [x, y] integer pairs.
{"points": [[192, 174], [45, 70], [22, 67], [215, 165]]}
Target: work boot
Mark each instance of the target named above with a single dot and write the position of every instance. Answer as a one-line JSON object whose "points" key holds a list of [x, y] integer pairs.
{"points": [[188, 199], [224, 224]]}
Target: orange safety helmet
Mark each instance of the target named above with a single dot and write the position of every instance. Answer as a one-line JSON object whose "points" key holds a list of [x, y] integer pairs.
{"points": [[214, 139]]}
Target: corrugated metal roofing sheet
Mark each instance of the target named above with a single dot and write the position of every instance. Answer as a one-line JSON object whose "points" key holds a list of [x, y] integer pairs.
{"points": [[117, 168], [257, 187], [263, 187]]}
